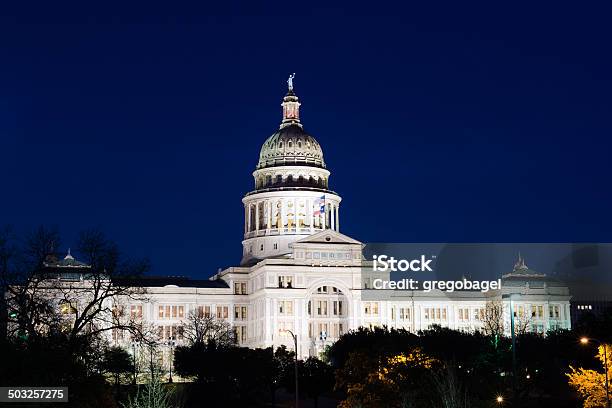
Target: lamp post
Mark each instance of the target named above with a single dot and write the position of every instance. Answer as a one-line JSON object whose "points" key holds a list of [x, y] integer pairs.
{"points": [[585, 340], [171, 343], [134, 360], [297, 397], [511, 297]]}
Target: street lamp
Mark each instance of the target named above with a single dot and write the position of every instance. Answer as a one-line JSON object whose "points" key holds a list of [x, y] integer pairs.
{"points": [[134, 343], [585, 340], [499, 399], [512, 297], [297, 398], [171, 343]]}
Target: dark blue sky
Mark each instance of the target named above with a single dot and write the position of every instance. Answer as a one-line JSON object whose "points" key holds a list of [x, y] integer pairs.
{"points": [[441, 125]]}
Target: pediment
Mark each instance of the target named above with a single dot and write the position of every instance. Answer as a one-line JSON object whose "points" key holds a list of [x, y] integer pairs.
{"points": [[328, 237]]}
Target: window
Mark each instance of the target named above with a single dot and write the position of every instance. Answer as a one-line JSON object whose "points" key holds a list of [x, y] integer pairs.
{"points": [[241, 333], [285, 307], [173, 332], [275, 246], [171, 311], [433, 313], [404, 313], [479, 314], [136, 311], [222, 312], [285, 281], [322, 308], [337, 307], [261, 247], [519, 311], [370, 308], [204, 311], [240, 288], [554, 311]]}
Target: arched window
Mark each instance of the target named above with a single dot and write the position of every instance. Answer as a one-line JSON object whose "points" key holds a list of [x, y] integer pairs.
{"points": [[268, 180], [279, 178]]}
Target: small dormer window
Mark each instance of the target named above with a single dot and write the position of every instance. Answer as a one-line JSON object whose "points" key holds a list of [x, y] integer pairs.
{"points": [[289, 144], [300, 144], [280, 145]]}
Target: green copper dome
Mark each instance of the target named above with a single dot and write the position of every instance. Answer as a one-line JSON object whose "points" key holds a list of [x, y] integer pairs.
{"points": [[291, 146]]}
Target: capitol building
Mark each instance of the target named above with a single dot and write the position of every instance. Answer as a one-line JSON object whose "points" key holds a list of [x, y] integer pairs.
{"points": [[300, 274]]}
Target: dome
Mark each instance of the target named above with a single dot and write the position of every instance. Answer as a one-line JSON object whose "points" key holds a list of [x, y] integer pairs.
{"points": [[291, 146]]}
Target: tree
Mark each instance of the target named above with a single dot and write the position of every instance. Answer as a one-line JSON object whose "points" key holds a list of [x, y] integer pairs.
{"points": [[41, 299], [448, 388], [389, 381], [317, 378], [30, 310], [117, 361], [590, 384], [493, 324], [202, 329], [152, 395]]}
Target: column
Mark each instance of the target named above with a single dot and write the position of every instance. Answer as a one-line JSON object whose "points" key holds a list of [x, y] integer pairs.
{"points": [[257, 216], [332, 217], [295, 214], [268, 204], [310, 208], [283, 212], [249, 218], [546, 317], [337, 220]]}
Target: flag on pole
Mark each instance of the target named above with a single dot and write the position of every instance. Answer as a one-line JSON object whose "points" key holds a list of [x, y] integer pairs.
{"points": [[319, 205]]}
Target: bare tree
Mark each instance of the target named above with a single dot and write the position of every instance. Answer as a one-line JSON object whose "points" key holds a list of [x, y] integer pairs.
{"points": [[522, 323], [31, 311], [202, 329], [82, 305], [493, 324], [448, 388]]}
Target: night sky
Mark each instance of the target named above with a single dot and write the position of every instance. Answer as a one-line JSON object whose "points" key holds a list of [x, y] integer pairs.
{"points": [[441, 125]]}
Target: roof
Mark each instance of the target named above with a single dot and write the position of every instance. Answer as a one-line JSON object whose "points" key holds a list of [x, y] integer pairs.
{"points": [[291, 146], [162, 281]]}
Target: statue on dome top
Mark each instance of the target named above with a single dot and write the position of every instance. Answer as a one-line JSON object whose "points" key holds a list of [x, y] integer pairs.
{"points": [[290, 81]]}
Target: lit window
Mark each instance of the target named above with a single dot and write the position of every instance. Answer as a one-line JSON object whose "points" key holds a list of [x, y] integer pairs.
{"points": [[136, 311]]}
